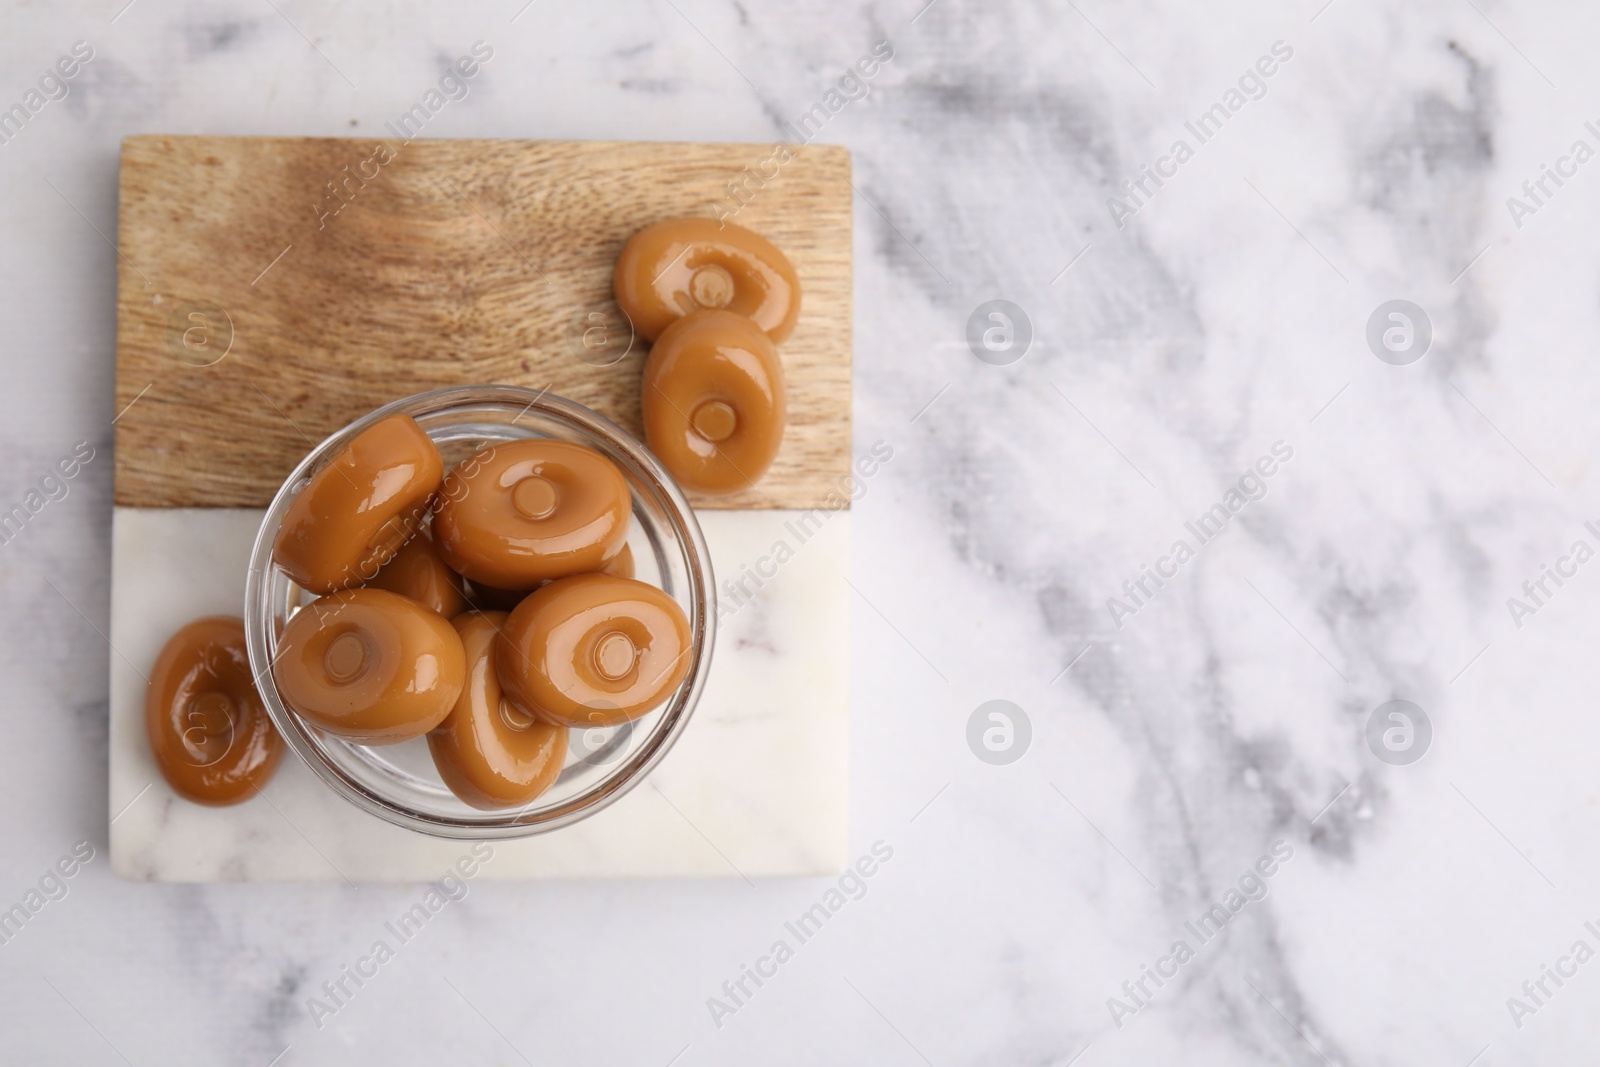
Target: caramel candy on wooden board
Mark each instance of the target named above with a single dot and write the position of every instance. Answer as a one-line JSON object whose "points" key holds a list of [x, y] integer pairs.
{"points": [[209, 733], [714, 403], [593, 650], [491, 754], [678, 266], [370, 665], [314, 340]]}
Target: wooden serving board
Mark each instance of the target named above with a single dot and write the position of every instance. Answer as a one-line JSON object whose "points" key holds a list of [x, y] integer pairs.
{"points": [[446, 263]]}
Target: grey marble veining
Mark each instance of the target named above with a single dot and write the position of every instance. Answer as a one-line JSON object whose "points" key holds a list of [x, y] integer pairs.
{"points": [[1423, 907]]}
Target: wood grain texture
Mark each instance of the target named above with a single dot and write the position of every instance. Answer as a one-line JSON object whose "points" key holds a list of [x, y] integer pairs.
{"points": [[459, 262]]}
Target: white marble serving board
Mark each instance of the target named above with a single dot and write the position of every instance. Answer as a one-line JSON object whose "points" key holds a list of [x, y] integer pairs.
{"points": [[755, 786]]}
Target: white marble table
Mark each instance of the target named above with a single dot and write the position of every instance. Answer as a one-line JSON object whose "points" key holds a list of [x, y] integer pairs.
{"points": [[1013, 912]]}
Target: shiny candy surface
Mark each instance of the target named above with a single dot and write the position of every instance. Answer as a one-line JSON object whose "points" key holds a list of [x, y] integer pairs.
{"points": [[356, 512], [593, 650], [524, 512], [714, 402], [619, 565], [490, 753], [419, 572], [209, 733], [678, 266], [370, 665]]}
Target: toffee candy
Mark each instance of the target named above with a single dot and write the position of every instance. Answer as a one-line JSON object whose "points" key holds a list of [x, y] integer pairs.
{"points": [[619, 565], [524, 512], [713, 402], [593, 650], [370, 665], [488, 598], [418, 571], [677, 266], [209, 733], [491, 754], [355, 513]]}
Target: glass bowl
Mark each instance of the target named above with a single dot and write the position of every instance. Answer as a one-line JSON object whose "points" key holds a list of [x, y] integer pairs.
{"points": [[398, 782]]}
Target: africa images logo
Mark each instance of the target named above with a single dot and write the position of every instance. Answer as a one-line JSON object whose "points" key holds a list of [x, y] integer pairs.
{"points": [[1205, 528], [1251, 888]]}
